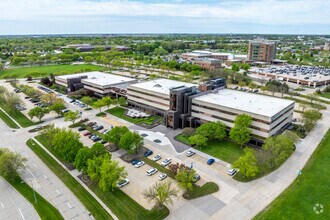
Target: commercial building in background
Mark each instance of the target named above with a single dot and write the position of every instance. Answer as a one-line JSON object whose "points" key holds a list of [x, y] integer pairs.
{"points": [[190, 105], [199, 54], [100, 83], [88, 47], [327, 46], [208, 63], [261, 50]]}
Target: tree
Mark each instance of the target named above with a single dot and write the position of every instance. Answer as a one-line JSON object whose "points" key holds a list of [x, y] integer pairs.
{"points": [[37, 112], [122, 101], [185, 178], [247, 164], [273, 88], [240, 135], [253, 85], [11, 163], [107, 101], [87, 100], [310, 118], [99, 104], [72, 116], [161, 193], [243, 120], [50, 132], [12, 100], [49, 98], [131, 141], [198, 140], [94, 167], [114, 135], [188, 131], [57, 107], [111, 173], [80, 161], [212, 130], [293, 136]]}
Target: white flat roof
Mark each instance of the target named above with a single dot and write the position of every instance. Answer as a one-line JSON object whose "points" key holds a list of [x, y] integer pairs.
{"points": [[247, 102], [162, 86], [99, 78]]}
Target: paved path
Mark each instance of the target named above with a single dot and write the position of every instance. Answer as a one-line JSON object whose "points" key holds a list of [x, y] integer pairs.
{"points": [[13, 205]]}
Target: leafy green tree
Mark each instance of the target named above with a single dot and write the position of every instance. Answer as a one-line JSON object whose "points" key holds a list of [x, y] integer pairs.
{"points": [[185, 178], [72, 116], [99, 104], [94, 167], [122, 101], [111, 173], [49, 98], [243, 120], [240, 135], [87, 100], [115, 134], [310, 118], [107, 101], [161, 193], [80, 161], [293, 136], [57, 107], [37, 112], [11, 163], [131, 141], [247, 164], [212, 130], [12, 100], [198, 140]]}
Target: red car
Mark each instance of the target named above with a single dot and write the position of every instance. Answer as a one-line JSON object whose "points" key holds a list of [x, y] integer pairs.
{"points": [[87, 133]]}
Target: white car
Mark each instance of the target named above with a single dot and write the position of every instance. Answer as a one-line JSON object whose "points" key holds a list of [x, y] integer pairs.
{"points": [[231, 172], [139, 164], [122, 183], [190, 153], [157, 157], [166, 162], [162, 176], [152, 171]]}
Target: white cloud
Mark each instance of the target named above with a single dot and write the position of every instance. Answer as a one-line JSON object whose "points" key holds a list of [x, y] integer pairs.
{"points": [[276, 12]]}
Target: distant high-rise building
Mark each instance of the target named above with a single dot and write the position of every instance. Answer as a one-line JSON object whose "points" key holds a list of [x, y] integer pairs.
{"points": [[327, 45], [262, 50]]}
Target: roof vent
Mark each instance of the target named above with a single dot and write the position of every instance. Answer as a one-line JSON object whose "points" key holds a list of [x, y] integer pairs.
{"points": [[157, 85]]}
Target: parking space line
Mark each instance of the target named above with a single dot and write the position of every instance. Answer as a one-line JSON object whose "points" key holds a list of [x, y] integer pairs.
{"points": [[20, 212], [2, 205]]}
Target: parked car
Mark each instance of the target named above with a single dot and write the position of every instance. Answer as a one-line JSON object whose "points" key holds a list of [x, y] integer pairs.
{"points": [[139, 164], [231, 172], [166, 162], [92, 136], [81, 129], [148, 153], [190, 153], [105, 131], [103, 142], [135, 161], [196, 178], [90, 124], [99, 128], [157, 157], [162, 176], [210, 161], [87, 133], [97, 139], [26, 97], [122, 183], [152, 171], [65, 111]]}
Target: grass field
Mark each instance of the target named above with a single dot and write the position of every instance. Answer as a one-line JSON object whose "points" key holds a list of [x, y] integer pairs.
{"points": [[120, 113], [199, 191], [225, 150], [55, 69], [325, 95], [7, 120], [314, 105], [44, 209], [310, 188], [121, 204], [78, 190], [19, 117]]}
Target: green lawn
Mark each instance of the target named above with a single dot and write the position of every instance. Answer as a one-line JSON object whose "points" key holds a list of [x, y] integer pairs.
{"points": [[199, 191], [78, 190], [7, 120], [159, 167], [55, 69], [225, 150], [44, 209], [315, 105], [19, 117], [325, 95], [120, 113], [312, 187], [121, 204]]}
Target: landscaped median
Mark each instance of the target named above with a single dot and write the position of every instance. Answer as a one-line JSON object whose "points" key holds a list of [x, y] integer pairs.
{"points": [[44, 209], [8, 120], [80, 192], [118, 202], [18, 116]]}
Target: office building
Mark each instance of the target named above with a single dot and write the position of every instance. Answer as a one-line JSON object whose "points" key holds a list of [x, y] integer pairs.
{"points": [[208, 63], [199, 54], [261, 50]]}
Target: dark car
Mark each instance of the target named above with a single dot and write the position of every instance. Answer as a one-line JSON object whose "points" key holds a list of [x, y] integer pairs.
{"points": [[99, 128], [210, 161], [87, 133], [81, 129], [196, 178], [97, 139], [103, 141], [148, 153], [135, 161]]}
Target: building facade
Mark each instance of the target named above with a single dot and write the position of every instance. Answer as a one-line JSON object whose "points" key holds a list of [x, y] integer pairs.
{"points": [[262, 51]]}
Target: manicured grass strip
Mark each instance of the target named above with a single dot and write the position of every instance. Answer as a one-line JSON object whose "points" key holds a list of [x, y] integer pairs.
{"points": [[19, 117], [120, 113], [78, 190], [199, 191], [7, 120], [225, 150], [316, 99], [159, 167], [44, 209], [308, 189], [315, 105], [325, 95], [55, 69], [120, 204]]}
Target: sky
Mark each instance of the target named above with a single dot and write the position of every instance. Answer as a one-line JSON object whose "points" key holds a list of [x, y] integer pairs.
{"points": [[161, 16]]}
